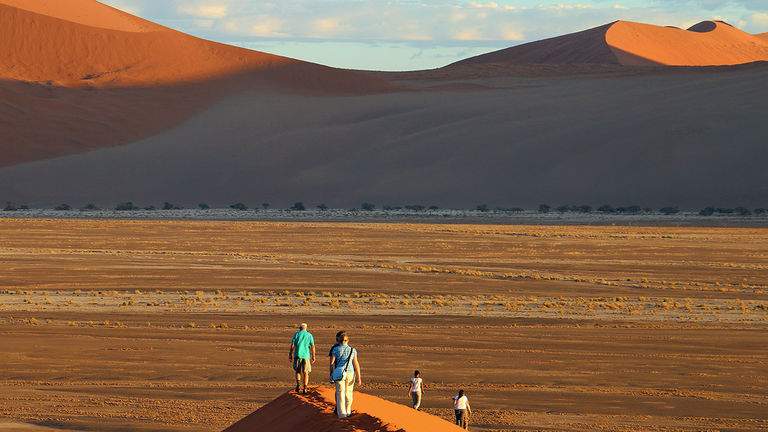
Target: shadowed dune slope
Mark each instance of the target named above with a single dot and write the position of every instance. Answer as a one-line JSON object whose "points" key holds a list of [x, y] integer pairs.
{"points": [[104, 47], [141, 78], [314, 412], [691, 138], [583, 47], [708, 43]]}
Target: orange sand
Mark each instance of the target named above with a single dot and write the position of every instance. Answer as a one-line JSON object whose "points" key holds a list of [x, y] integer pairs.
{"points": [[147, 78], [708, 43], [314, 412], [705, 44]]}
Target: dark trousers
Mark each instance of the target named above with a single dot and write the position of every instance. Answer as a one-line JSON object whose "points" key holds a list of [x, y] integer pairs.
{"points": [[461, 417]]}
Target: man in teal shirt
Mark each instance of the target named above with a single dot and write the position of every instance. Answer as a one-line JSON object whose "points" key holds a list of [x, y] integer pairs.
{"points": [[302, 355]]}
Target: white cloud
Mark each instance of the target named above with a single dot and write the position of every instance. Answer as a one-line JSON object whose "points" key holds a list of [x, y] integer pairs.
{"points": [[212, 11]]}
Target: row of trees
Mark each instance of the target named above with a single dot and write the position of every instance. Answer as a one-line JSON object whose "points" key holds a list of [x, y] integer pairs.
{"points": [[366, 206]]}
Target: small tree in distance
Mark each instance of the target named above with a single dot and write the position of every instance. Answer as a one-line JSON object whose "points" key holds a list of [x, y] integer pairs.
{"points": [[63, 207], [204, 206], [544, 208], [669, 210], [265, 205], [482, 208], [322, 207], [239, 206], [367, 206], [298, 206]]}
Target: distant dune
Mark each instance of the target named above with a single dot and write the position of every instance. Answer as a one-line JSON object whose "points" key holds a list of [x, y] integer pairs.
{"points": [[314, 412], [144, 78], [100, 106], [709, 43]]}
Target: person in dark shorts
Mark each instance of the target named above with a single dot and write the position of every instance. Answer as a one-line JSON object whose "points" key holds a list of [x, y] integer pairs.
{"points": [[461, 409], [302, 355]]}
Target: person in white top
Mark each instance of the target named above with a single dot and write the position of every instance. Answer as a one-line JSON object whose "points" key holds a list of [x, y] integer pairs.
{"points": [[462, 409], [416, 389]]}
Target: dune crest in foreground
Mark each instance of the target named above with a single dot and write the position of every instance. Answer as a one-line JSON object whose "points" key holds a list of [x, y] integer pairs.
{"points": [[708, 43], [314, 412]]}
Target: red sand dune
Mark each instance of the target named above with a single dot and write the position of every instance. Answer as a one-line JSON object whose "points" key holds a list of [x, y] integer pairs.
{"points": [[314, 412], [708, 43], [145, 78]]}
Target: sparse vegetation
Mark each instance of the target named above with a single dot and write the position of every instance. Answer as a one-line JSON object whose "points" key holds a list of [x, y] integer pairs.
{"points": [[544, 208], [297, 206], [415, 207], [367, 206], [239, 206], [322, 207], [126, 206], [669, 210], [63, 207], [89, 207], [203, 206]]}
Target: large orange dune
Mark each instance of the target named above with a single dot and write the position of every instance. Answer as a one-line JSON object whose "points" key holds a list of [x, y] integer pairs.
{"points": [[145, 78], [314, 412], [709, 43]]}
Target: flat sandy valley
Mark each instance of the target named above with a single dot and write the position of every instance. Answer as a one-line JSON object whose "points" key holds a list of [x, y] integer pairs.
{"points": [[118, 325]]}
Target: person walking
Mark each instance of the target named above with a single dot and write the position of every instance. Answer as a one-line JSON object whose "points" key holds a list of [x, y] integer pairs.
{"points": [[345, 371], [461, 409], [302, 355], [416, 389]]}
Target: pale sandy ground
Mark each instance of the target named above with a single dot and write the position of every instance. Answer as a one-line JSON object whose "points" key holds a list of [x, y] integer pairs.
{"points": [[526, 217], [575, 328]]}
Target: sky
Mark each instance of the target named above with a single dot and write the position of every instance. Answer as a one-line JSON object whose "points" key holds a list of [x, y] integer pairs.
{"points": [[412, 34]]}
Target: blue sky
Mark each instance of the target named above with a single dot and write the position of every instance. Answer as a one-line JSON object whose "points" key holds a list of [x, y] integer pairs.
{"points": [[411, 34]]}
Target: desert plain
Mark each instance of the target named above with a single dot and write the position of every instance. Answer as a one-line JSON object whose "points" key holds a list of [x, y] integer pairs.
{"points": [[163, 325]]}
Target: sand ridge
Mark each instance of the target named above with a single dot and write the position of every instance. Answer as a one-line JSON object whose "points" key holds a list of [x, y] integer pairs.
{"points": [[87, 12], [708, 43], [314, 411]]}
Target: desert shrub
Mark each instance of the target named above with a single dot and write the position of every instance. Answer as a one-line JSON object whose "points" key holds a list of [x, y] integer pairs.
{"points": [[367, 206], [389, 207], [265, 205], [203, 206], [239, 206], [124, 206], [322, 207], [606, 209], [89, 206], [724, 210], [760, 211], [434, 207], [414, 207], [171, 206], [707, 211], [9, 206], [298, 206], [509, 209], [63, 207], [150, 208], [563, 208], [743, 211], [482, 207], [633, 209], [544, 208], [669, 210], [583, 208]]}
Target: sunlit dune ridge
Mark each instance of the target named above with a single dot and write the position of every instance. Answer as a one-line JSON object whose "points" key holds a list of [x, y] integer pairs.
{"points": [[708, 43], [314, 411], [82, 42]]}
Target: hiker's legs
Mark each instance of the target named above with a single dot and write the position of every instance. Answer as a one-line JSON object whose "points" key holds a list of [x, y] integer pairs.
{"points": [[341, 399], [349, 389], [416, 398]]}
